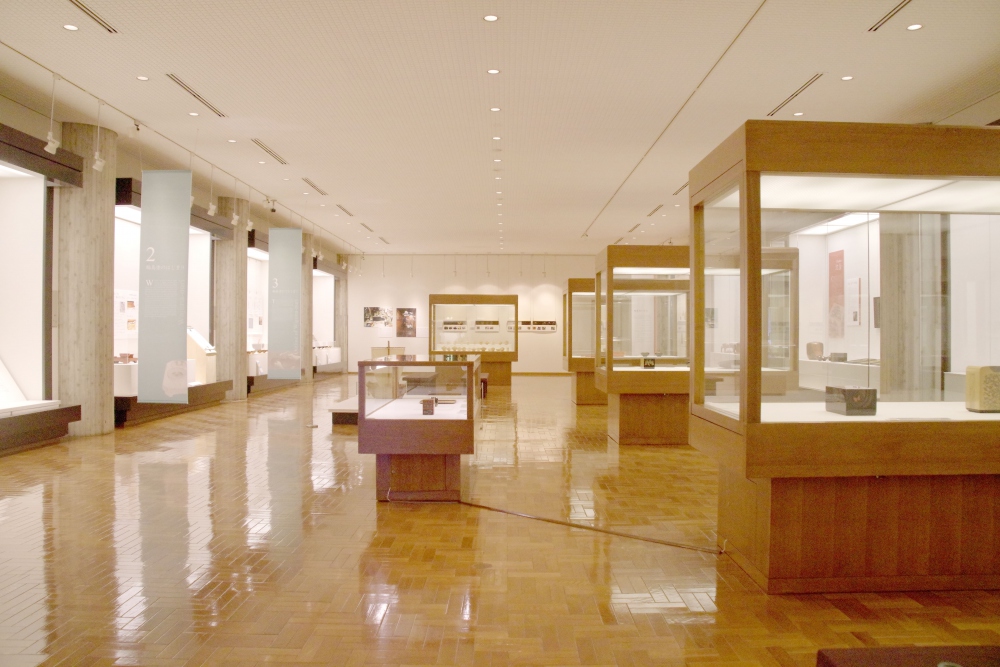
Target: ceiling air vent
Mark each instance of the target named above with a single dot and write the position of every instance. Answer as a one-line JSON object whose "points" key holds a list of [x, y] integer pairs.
{"points": [[618, 241], [802, 88], [892, 12], [94, 16], [658, 207], [345, 210], [315, 187], [382, 238], [270, 151], [678, 190], [195, 94], [634, 228], [368, 228]]}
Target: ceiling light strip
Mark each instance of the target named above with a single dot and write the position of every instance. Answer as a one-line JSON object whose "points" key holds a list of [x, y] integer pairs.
{"points": [[270, 151], [811, 81], [658, 207], [345, 210], [382, 239], [94, 16], [315, 187], [367, 227], [195, 94], [618, 241], [679, 190], [634, 228], [892, 12]]}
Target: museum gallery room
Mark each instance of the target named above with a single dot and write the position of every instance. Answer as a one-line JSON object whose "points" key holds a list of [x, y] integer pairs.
{"points": [[500, 332]]}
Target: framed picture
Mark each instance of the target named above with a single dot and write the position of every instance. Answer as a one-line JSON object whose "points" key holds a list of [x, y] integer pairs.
{"points": [[376, 316], [406, 322]]}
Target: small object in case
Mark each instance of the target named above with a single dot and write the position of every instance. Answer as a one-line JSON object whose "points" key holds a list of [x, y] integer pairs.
{"points": [[838, 356], [648, 362], [428, 404], [851, 401], [814, 351], [982, 388]]}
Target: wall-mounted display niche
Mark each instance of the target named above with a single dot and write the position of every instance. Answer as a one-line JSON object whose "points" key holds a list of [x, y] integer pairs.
{"points": [[848, 300], [28, 412], [482, 324], [128, 257], [418, 415], [326, 349], [579, 317], [642, 341]]}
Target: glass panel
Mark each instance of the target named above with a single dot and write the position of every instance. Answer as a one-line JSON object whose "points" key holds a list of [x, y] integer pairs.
{"points": [[602, 317], [895, 292], [474, 327], [722, 308], [584, 307], [416, 392], [650, 318]]}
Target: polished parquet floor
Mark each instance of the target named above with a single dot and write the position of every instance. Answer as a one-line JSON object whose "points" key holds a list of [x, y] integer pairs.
{"points": [[247, 534]]}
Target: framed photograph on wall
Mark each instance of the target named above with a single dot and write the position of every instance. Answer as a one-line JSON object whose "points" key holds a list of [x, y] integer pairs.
{"points": [[376, 316], [406, 322]]}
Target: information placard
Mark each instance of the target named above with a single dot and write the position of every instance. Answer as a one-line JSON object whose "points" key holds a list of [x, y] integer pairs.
{"points": [[284, 294], [163, 278]]}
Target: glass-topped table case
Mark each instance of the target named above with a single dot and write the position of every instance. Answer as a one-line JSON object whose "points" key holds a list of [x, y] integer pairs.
{"points": [[417, 414], [847, 328], [482, 324], [641, 330], [579, 327]]}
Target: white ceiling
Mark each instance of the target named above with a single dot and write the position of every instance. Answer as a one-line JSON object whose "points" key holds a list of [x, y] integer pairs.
{"points": [[606, 104]]}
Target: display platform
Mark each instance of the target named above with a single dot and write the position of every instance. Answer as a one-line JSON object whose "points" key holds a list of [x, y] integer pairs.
{"points": [[872, 245], [25, 422], [345, 412], [129, 411], [418, 441]]}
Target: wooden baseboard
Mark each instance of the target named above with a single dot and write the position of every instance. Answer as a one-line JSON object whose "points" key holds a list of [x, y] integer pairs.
{"points": [[130, 412], [35, 429]]}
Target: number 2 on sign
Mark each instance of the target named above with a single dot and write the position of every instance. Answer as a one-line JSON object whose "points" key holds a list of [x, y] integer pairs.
{"points": [[152, 254]]}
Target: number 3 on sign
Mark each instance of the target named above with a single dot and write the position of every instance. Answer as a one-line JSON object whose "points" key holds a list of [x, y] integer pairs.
{"points": [[275, 284], [152, 254]]}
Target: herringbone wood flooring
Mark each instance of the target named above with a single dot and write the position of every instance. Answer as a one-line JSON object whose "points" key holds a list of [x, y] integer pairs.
{"points": [[238, 535]]}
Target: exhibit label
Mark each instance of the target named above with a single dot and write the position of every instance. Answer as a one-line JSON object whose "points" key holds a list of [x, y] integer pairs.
{"points": [[163, 278], [284, 296]]}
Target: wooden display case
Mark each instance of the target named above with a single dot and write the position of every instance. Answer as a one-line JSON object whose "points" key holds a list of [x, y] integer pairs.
{"points": [[481, 324], [810, 500], [641, 360], [417, 414], [579, 311]]}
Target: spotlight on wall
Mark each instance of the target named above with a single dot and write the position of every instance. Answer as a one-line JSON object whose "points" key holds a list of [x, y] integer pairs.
{"points": [[212, 208], [98, 161], [53, 144], [249, 224], [236, 219]]}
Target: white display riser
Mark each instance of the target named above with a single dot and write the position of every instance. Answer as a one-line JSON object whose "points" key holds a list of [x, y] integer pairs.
{"points": [[820, 374], [126, 378]]}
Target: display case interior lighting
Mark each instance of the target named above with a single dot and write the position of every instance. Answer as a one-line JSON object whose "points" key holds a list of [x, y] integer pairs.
{"points": [[316, 272], [649, 271], [7, 171], [129, 214], [839, 223], [257, 253]]}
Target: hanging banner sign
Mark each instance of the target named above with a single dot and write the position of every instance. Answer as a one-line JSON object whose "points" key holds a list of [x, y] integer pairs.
{"points": [[163, 278], [284, 294]]}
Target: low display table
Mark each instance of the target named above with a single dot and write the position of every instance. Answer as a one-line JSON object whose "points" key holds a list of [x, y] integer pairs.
{"points": [[418, 430]]}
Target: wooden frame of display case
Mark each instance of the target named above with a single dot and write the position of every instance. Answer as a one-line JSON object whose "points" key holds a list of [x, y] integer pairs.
{"points": [[841, 506], [644, 408], [496, 364], [584, 391], [419, 459]]}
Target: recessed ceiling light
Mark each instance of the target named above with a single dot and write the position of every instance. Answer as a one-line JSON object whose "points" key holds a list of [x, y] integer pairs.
{"points": [[305, 193], [846, 78], [496, 159], [494, 108], [490, 18], [499, 213], [322, 205], [261, 162], [492, 71], [192, 113], [797, 113], [499, 204], [496, 138], [143, 78], [499, 193], [232, 141], [71, 28], [915, 26]]}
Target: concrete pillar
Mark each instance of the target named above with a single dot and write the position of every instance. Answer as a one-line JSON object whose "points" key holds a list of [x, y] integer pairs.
{"points": [[231, 301], [306, 308], [83, 322]]}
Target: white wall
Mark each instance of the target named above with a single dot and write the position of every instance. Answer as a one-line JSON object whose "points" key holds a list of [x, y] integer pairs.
{"points": [[22, 217], [975, 291], [200, 282], [257, 301], [389, 281], [323, 309]]}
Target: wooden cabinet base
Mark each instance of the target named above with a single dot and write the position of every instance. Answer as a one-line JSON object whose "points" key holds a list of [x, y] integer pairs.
{"points": [[499, 372], [585, 392], [129, 411], [36, 428], [648, 419], [414, 477]]}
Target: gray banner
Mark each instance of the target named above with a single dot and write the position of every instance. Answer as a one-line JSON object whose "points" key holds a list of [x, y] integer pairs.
{"points": [[284, 294], [163, 277]]}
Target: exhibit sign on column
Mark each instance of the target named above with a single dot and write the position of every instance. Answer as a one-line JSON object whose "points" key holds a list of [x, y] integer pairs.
{"points": [[284, 295], [163, 278]]}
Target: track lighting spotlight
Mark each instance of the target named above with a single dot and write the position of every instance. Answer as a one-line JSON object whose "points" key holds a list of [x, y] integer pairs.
{"points": [[53, 144], [235, 220], [212, 208], [98, 162]]}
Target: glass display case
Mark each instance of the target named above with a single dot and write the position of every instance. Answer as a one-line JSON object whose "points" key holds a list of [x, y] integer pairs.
{"points": [[642, 332], [846, 303], [417, 414], [579, 318], [482, 324]]}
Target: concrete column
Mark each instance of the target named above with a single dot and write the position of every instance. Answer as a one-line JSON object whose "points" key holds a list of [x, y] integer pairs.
{"points": [[231, 301], [306, 309], [83, 322]]}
